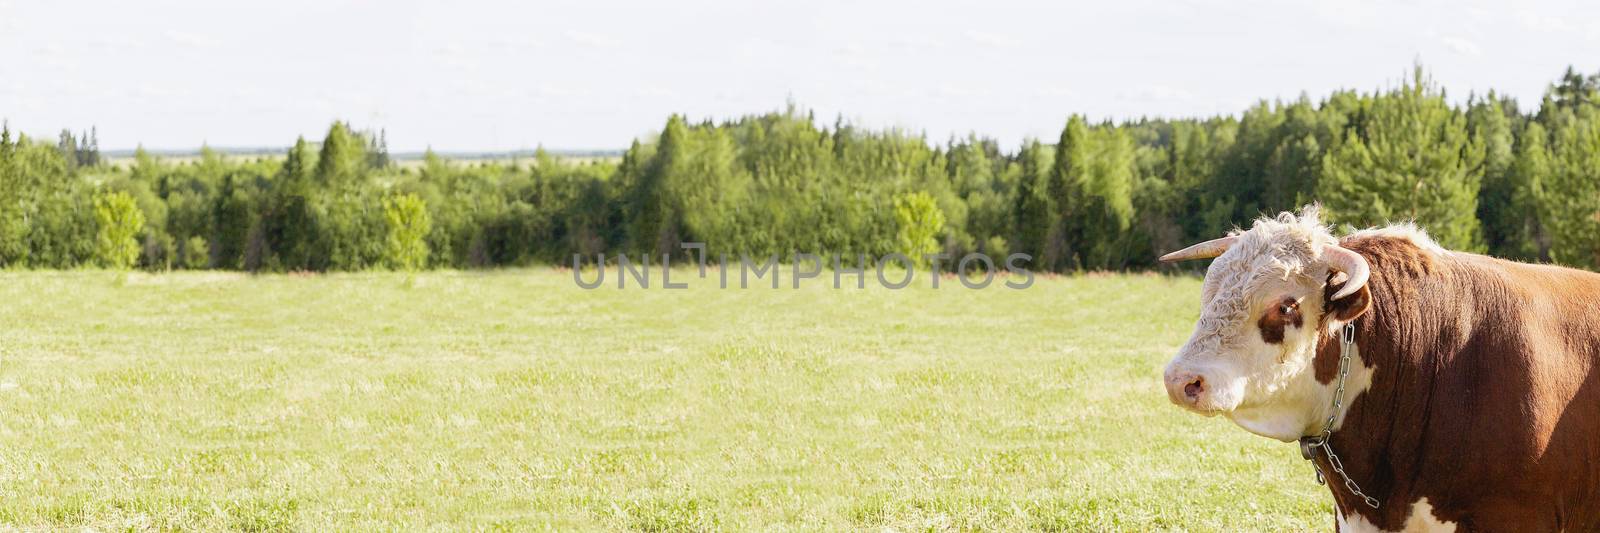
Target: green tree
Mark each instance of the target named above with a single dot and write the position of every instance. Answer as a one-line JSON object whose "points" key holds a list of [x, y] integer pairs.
{"points": [[231, 218], [196, 253], [985, 182], [1571, 189], [1502, 217], [919, 222], [118, 222], [288, 224], [1107, 199], [705, 183], [1035, 208], [14, 204], [1410, 157], [343, 158], [653, 222], [1067, 191], [409, 225], [1529, 171]]}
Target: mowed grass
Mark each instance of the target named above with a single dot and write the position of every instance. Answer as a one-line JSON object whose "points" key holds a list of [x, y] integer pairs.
{"points": [[515, 400]]}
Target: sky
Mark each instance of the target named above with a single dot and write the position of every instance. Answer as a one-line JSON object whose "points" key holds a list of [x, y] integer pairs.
{"points": [[592, 74]]}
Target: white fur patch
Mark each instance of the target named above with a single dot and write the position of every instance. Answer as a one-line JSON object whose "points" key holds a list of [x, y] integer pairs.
{"points": [[1421, 520], [1286, 420], [1407, 231]]}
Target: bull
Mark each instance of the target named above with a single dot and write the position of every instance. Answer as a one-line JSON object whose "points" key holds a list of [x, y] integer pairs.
{"points": [[1436, 390]]}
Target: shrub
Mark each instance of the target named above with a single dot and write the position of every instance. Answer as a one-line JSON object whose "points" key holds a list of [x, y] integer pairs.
{"points": [[920, 221], [196, 254], [119, 222], [409, 224]]}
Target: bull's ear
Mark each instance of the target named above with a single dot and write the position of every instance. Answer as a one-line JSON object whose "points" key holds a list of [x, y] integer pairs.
{"points": [[1348, 308]]}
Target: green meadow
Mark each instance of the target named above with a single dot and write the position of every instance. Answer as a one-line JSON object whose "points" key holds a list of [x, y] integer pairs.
{"points": [[512, 399]]}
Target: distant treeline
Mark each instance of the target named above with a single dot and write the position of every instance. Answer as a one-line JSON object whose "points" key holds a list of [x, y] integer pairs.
{"points": [[1482, 176]]}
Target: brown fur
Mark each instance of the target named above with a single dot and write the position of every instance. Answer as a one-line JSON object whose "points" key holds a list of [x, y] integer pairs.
{"points": [[1485, 399], [1275, 319]]}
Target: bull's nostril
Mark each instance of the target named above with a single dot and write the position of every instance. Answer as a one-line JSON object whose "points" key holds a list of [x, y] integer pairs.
{"points": [[1192, 390]]}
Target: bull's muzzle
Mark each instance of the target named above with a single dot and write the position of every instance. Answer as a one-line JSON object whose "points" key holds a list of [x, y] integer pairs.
{"points": [[1185, 388]]}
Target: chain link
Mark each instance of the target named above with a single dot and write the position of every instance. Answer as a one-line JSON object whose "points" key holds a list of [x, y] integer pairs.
{"points": [[1309, 445]]}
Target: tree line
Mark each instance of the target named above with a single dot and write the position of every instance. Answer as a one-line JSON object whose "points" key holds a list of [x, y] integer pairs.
{"points": [[1483, 175]]}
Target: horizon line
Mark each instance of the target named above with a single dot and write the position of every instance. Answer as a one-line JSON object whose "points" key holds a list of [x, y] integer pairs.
{"points": [[406, 154]]}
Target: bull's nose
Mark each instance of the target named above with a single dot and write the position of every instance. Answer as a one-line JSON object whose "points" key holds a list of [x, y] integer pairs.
{"points": [[1185, 388]]}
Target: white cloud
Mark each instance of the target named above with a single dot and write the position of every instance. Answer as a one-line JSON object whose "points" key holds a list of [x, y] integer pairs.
{"points": [[917, 43], [53, 56], [117, 43], [857, 56], [1158, 93], [1461, 46], [993, 39], [652, 91], [592, 40], [950, 91], [1349, 13], [1543, 23], [450, 49], [1054, 91], [149, 90], [515, 42], [190, 40], [551, 90]]}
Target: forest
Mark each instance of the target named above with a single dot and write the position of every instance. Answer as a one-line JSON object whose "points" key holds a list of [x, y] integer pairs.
{"points": [[1483, 175]]}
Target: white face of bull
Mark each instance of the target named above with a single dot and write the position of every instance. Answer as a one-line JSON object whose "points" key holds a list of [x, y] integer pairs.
{"points": [[1251, 355]]}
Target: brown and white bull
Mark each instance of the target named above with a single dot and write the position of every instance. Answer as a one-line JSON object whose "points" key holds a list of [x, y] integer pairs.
{"points": [[1471, 400]]}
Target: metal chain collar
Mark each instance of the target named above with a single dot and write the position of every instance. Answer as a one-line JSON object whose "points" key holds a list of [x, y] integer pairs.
{"points": [[1309, 445]]}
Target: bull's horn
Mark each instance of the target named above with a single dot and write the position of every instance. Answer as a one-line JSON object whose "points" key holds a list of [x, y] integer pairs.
{"points": [[1204, 250], [1351, 264]]}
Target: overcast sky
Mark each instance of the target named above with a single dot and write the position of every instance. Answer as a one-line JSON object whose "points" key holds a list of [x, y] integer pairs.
{"points": [[591, 74]]}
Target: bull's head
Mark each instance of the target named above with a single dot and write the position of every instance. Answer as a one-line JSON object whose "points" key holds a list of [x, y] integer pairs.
{"points": [[1272, 292]]}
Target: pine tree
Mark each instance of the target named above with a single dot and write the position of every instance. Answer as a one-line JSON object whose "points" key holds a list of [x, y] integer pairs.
{"points": [[231, 219], [1067, 175], [1502, 218], [288, 227], [655, 225], [341, 162], [378, 150], [1035, 208], [1107, 199], [13, 206], [1571, 192], [68, 147], [1411, 157], [1528, 173]]}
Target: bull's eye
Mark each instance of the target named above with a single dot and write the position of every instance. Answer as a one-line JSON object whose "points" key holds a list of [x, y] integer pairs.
{"points": [[1275, 319]]}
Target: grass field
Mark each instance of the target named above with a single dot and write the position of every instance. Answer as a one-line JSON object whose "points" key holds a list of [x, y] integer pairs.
{"points": [[513, 399]]}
